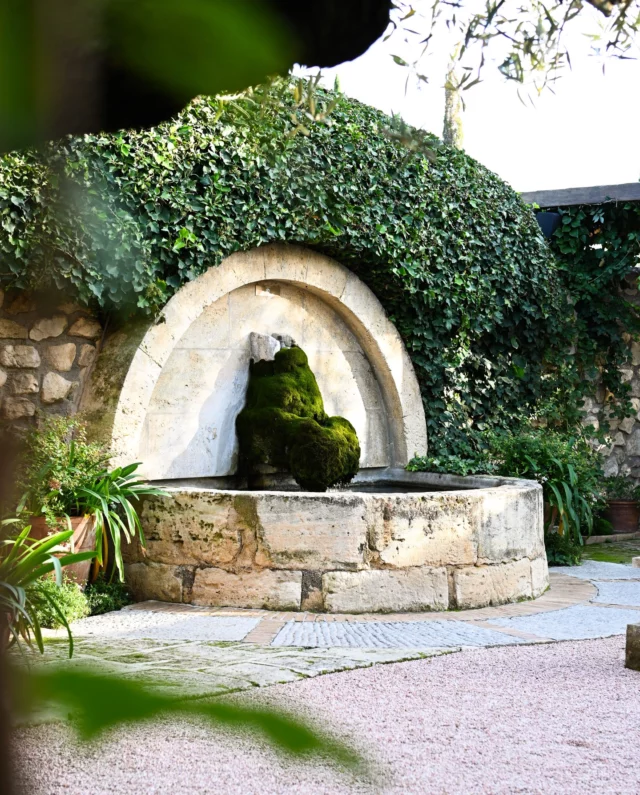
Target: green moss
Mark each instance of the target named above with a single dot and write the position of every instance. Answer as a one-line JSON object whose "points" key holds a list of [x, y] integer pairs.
{"points": [[284, 425]]}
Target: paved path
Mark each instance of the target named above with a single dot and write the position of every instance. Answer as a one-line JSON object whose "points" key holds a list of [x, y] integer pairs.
{"points": [[515, 712], [208, 651]]}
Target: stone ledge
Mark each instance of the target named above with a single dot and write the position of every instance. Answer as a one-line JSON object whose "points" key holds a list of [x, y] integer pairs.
{"points": [[271, 590], [632, 656]]}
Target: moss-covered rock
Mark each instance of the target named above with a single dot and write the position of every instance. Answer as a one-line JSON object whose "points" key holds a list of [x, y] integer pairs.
{"points": [[284, 425]]}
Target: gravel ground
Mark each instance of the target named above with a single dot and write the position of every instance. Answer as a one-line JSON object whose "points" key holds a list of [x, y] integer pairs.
{"points": [[560, 718]]}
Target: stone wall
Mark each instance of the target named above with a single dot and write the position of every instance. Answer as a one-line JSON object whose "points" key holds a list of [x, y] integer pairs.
{"points": [[46, 350], [622, 457]]}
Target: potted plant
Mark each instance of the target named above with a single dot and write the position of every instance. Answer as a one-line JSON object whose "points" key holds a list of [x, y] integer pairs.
{"points": [[623, 504], [68, 485], [23, 561]]}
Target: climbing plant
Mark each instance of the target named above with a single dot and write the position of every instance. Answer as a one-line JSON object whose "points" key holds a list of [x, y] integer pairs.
{"points": [[454, 256], [596, 247]]}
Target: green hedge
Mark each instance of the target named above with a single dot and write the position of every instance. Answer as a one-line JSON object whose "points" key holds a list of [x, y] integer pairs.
{"points": [[456, 259]]}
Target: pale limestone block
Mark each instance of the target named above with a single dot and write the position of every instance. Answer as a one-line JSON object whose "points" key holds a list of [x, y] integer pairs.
{"points": [[479, 586], [55, 388], [427, 529], [210, 329], [325, 328], [311, 532], [539, 576], [24, 384], [375, 445], [269, 590], [48, 327], [14, 408], [21, 304], [19, 356], [626, 374], [9, 329], [325, 274], [3, 378], [619, 440], [635, 353], [635, 562], [154, 581], [386, 591], [633, 443], [263, 347], [627, 424], [280, 262], [61, 357], [87, 355], [512, 524], [193, 527], [85, 327]]}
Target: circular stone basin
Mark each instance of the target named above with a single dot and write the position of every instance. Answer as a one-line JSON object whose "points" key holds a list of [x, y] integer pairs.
{"points": [[393, 541]]}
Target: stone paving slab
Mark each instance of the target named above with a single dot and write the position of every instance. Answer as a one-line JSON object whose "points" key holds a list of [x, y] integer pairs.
{"points": [[618, 593], [580, 622], [165, 626], [597, 570], [388, 635]]}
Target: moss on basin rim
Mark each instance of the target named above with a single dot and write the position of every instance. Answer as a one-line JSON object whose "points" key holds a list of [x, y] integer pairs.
{"points": [[284, 425]]}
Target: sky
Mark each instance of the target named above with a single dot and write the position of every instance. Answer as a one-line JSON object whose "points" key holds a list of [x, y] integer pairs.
{"points": [[586, 133]]}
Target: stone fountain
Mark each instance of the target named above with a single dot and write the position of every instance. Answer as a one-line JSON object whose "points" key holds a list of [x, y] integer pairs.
{"points": [[390, 541]]}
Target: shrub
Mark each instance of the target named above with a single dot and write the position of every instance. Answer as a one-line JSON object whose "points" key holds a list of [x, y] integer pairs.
{"points": [[68, 597], [104, 596], [562, 550], [620, 488]]}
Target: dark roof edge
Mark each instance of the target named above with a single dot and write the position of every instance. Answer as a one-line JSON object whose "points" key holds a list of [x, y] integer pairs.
{"points": [[599, 194]]}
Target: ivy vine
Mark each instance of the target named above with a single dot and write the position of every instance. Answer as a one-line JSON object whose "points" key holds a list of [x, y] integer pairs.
{"points": [[452, 253]]}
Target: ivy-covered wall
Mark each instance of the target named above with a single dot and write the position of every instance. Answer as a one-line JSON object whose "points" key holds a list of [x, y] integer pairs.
{"points": [[456, 259]]}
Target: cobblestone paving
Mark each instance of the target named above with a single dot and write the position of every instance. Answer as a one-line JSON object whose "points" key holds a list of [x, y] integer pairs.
{"points": [[618, 593], [595, 570], [385, 635], [202, 652], [574, 623]]}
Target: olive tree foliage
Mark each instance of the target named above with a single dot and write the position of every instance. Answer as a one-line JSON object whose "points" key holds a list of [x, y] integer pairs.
{"points": [[528, 40]]}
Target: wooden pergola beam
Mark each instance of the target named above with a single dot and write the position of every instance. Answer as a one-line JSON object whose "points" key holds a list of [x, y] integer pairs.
{"points": [[599, 194]]}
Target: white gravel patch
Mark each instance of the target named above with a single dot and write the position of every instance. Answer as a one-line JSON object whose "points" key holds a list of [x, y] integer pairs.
{"points": [[580, 622], [556, 719], [164, 626], [389, 635], [618, 593], [597, 570]]}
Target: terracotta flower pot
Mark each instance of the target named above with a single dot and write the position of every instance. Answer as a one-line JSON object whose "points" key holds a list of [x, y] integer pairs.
{"points": [[84, 538], [624, 515]]}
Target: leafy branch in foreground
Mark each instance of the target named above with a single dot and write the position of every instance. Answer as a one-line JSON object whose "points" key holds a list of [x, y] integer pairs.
{"points": [[96, 703]]}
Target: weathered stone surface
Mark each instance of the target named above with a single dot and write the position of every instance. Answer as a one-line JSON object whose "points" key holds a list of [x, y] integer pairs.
{"points": [[3, 378], [512, 525], [14, 408], [61, 357], [86, 356], [19, 356], [423, 588], [627, 424], [9, 329], [198, 528], [611, 467], [154, 581], [539, 576], [633, 443], [24, 383], [632, 656], [321, 532], [228, 294], [69, 307], [271, 590], [635, 562], [479, 586], [635, 353], [48, 327], [426, 529], [21, 303], [55, 388], [85, 327], [263, 347]]}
